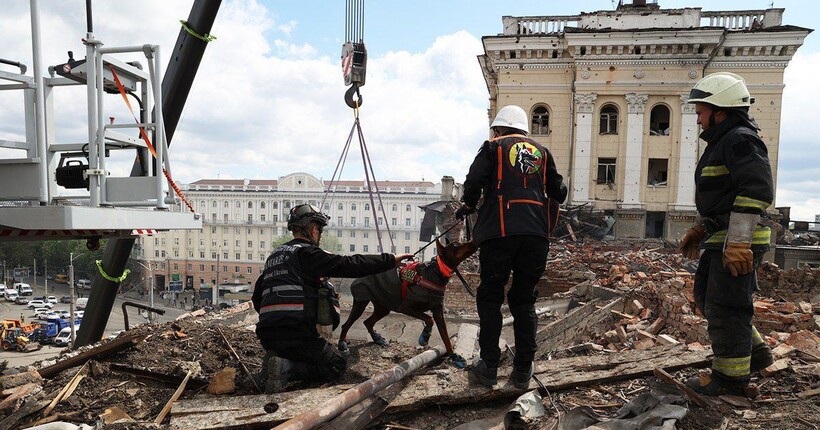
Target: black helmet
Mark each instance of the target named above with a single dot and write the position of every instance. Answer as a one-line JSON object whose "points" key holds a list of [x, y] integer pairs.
{"points": [[304, 214]]}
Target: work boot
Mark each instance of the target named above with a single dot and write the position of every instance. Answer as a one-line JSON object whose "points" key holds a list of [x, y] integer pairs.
{"points": [[708, 385], [761, 357], [279, 370], [520, 376], [487, 376]]}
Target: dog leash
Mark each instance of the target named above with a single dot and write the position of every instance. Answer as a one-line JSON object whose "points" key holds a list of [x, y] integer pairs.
{"points": [[435, 239]]}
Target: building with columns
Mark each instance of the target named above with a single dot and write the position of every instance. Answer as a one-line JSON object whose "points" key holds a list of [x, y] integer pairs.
{"points": [[607, 92], [243, 218]]}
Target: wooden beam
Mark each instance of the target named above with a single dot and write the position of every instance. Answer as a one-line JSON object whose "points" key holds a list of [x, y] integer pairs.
{"points": [[174, 397], [426, 390], [109, 348], [173, 380], [693, 396]]}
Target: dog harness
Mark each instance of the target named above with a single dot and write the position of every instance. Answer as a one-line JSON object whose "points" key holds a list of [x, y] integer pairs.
{"points": [[410, 276]]}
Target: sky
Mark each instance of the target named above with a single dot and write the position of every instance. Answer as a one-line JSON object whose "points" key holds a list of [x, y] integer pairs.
{"points": [[268, 97]]}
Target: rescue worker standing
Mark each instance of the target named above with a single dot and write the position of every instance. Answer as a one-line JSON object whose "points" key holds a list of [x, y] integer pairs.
{"points": [[522, 189], [733, 188], [287, 297]]}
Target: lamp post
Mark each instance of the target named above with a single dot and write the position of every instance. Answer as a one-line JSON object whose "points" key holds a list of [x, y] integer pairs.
{"points": [[71, 295], [151, 289]]}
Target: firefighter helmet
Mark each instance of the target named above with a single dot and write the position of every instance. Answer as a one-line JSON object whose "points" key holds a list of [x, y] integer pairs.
{"points": [[512, 116], [721, 89]]}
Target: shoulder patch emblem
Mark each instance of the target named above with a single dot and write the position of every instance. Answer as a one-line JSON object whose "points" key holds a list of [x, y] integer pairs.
{"points": [[525, 158]]}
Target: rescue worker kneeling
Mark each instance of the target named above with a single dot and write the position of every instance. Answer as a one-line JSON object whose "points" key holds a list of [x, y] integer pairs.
{"points": [[287, 297]]}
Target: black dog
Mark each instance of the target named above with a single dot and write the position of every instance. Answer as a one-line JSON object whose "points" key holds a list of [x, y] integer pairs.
{"points": [[413, 290]]}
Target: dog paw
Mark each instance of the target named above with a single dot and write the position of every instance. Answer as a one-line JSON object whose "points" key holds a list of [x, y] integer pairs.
{"points": [[424, 337], [378, 339], [343, 348]]}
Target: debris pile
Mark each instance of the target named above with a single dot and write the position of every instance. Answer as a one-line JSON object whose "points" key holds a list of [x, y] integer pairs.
{"points": [[630, 315]]}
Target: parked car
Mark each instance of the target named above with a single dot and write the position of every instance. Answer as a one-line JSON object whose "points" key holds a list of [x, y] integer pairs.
{"points": [[64, 314], [32, 304], [21, 300], [84, 284], [23, 289], [65, 299], [50, 315], [81, 302], [10, 295], [2, 288], [37, 311], [79, 314], [52, 300], [64, 337]]}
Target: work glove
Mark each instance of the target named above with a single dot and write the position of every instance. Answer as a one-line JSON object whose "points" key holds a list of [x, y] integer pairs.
{"points": [[737, 253], [738, 257], [463, 211], [457, 360], [690, 244]]}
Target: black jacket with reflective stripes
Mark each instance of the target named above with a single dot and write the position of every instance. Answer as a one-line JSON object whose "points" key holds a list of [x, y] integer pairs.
{"points": [[286, 293], [522, 188], [733, 175]]}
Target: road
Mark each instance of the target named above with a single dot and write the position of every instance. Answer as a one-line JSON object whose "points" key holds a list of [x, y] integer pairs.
{"points": [[116, 322]]}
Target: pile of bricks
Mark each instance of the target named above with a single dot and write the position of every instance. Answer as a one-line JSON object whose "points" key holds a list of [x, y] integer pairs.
{"points": [[791, 284]]}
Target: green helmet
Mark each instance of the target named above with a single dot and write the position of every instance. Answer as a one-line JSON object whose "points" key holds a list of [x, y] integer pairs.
{"points": [[721, 89], [304, 214]]}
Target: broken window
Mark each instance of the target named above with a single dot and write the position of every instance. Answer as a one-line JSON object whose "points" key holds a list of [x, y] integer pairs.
{"points": [[609, 119], [659, 121], [606, 171], [540, 120], [656, 174]]}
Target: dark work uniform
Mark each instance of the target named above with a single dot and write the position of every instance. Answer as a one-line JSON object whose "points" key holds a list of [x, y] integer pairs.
{"points": [[732, 175], [522, 189], [286, 298]]}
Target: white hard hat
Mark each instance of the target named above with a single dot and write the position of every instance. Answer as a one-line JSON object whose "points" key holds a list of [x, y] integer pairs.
{"points": [[512, 116], [721, 89]]}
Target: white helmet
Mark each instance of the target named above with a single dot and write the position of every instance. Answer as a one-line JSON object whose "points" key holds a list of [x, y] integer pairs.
{"points": [[512, 116], [721, 89]]}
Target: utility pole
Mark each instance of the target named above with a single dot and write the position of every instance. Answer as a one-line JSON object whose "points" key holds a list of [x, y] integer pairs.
{"points": [[4, 273], [215, 291], [151, 294], [45, 273], [71, 294], [35, 274]]}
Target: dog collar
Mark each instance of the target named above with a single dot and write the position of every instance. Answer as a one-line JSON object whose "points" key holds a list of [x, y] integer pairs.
{"points": [[446, 271]]}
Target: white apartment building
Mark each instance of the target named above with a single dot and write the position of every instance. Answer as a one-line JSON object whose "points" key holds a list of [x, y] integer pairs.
{"points": [[243, 218]]}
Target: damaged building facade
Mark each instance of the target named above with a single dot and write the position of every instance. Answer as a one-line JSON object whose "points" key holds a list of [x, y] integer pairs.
{"points": [[606, 92]]}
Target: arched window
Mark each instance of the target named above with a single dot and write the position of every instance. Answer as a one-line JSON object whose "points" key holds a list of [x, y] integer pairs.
{"points": [[367, 206], [353, 206], [659, 124], [609, 119], [225, 204], [262, 205], [395, 207], [275, 205], [540, 120], [408, 208], [238, 204], [250, 205]]}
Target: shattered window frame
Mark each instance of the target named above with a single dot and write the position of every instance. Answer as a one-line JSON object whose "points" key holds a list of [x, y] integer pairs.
{"points": [[606, 171], [540, 120], [609, 119]]}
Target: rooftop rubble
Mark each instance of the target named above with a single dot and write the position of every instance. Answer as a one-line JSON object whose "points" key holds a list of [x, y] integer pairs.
{"points": [[630, 315]]}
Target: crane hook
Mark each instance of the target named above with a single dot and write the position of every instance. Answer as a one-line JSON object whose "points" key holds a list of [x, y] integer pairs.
{"points": [[353, 104]]}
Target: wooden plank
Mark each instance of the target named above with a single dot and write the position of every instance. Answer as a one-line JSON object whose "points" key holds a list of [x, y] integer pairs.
{"points": [[112, 347], [562, 332], [809, 393], [465, 342], [693, 396], [173, 380], [427, 390], [174, 397]]}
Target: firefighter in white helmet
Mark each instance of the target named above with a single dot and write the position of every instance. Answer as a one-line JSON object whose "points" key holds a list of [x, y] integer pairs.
{"points": [[522, 189], [733, 188]]}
